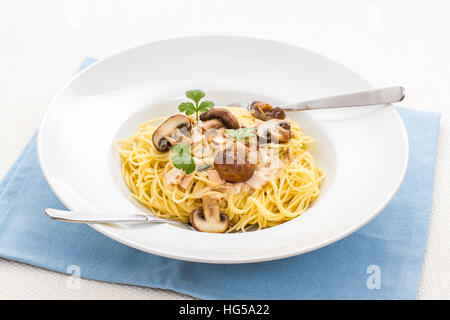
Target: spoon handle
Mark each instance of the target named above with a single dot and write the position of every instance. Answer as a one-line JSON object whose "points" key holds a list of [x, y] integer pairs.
{"points": [[364, 98], [84, 217]]}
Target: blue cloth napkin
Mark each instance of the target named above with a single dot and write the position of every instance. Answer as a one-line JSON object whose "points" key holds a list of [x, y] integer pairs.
{"points": [[383, 260]]}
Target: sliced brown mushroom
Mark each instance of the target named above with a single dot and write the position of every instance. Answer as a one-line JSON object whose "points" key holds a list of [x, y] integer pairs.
{"points": [[264, 111], [173, 130], [223, 115], [275, 130], [209, 218], [211, 124], [231, 168]]}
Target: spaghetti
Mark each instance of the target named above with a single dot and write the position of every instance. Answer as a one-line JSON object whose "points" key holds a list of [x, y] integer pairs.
{"points": [[290, 179]]}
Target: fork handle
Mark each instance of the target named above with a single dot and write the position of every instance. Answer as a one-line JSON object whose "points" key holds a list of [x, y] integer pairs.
{"points": [[364, 98]]}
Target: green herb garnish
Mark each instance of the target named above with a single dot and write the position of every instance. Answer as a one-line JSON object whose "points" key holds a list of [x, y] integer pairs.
{"points": [[190, 108], [242, 133], [182, 159]]}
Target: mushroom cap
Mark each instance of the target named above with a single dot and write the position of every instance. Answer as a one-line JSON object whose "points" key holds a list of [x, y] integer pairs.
{"points": [[223, 115], [232, 169], [198, 221], [167, 128], [264, 111], [276, 113], [274, 130], [261, 105]]}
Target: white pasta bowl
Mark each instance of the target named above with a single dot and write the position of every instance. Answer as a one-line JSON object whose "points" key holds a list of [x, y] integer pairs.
{"points": [[363, 150]]}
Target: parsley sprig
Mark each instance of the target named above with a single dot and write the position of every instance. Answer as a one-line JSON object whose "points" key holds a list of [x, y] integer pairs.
{"points": [[190, 108], [241, 134], [182, 158]]}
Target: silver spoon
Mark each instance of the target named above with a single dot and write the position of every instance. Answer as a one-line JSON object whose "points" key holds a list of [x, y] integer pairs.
{"points": [[364, 98], [85, 217]]}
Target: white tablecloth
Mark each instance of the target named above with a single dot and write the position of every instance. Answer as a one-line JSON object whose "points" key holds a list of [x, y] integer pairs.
{"points": [[389, 42]]}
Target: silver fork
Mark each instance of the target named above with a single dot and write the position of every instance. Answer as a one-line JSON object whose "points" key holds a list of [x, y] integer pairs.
{"points": [[86, 217], [363, 98]]}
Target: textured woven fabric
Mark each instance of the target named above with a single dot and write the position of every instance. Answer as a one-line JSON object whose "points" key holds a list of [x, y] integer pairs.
{"points": [[392, 245]]}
